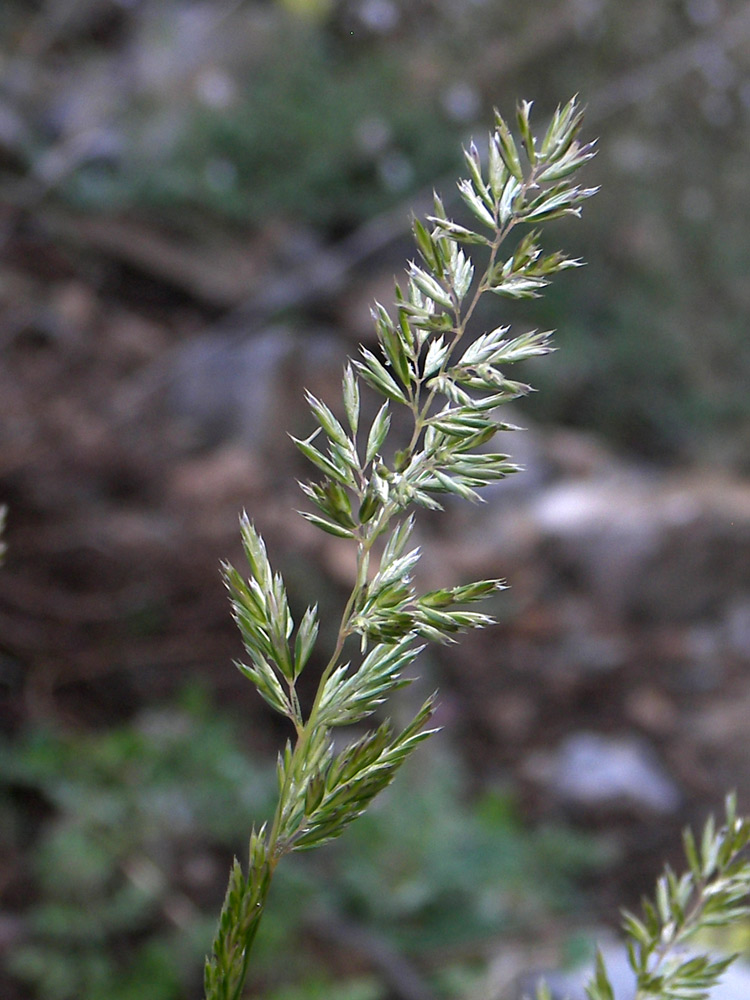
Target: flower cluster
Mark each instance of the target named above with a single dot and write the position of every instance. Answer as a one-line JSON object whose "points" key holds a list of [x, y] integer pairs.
{"points": [[713, 892], [451, 386]]}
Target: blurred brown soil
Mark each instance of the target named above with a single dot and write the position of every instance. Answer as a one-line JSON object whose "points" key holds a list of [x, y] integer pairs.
{"points": [[111, 596]]}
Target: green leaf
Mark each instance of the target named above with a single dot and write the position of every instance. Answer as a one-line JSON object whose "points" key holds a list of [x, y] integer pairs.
{"points": [[507, 201], [427, 247], [498, 172], [567, 164], [265, 680], [349, 698], [520, 287], [342, 474], [330, 527], [507, 147], [600, 987], [429, 286], [304, 643], [459, 233], [376, 376], [452, 484], [378, 433], [327, 421], [463, 273], [255, 552], [437, 352], [351, 398], [475, 203], [396, 342], [522, 114], [471, 156]]}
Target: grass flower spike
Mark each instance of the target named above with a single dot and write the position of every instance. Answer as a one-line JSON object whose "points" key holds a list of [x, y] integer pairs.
{"points": [[368, 489]]}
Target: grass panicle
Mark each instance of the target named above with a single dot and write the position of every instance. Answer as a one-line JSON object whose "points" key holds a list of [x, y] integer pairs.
{"points": [[451, 386]]}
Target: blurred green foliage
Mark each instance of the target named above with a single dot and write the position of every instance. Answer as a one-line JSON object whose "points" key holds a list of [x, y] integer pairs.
{"points": [[308, 128], [423, 856], [140, 822], [360, 988], [312, 137], [130, 808]]}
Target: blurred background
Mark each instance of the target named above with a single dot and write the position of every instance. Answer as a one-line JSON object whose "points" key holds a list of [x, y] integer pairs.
{"points": [[198, 203]]}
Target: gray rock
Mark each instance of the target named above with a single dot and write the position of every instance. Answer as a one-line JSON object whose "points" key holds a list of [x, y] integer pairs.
{"points": [[598, 771], [248, 390], [667, 547], [572, 985], [600, 532], [737, 626], [225, 388]]}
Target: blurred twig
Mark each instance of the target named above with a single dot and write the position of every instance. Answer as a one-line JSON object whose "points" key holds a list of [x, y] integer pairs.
{"points": [[645, 81], [399, 975], [329, 271]]}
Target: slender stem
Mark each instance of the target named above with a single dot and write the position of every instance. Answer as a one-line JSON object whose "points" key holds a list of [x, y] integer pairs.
{"points": [[309, 729], [681, 932]]}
